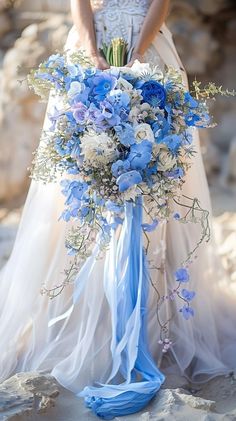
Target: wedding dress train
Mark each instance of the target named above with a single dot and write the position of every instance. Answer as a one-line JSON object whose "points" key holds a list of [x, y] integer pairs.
{"points": [[77, 348]]}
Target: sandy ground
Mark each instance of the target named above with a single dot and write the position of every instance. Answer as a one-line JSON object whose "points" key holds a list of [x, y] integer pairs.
{"points": [[178, 400]]}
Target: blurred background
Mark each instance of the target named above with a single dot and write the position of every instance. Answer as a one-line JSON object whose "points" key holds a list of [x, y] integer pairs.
{"points": [[205, 35]]}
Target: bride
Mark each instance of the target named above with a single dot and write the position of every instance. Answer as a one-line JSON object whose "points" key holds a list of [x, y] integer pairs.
{"points": [[73, 340]]}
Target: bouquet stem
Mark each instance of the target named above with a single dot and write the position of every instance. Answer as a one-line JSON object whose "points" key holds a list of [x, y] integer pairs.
{"points": [[116, 52]]}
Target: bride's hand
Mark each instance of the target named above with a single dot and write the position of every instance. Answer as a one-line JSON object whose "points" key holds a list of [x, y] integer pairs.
{"points": [[99, 61], [135, 56]]}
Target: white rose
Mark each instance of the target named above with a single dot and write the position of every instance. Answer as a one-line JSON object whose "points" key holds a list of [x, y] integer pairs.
{"points": [[166, 161], [143, 131]]}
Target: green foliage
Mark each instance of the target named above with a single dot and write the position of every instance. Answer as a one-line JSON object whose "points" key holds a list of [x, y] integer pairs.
{"points": [[209, 91]]}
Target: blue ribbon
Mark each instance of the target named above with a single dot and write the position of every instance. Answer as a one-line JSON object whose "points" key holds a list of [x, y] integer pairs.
{"points": [[126, 286]]}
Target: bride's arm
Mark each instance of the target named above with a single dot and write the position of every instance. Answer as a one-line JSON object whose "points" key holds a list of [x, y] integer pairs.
{"points": [[153, 21], [82, 16]]}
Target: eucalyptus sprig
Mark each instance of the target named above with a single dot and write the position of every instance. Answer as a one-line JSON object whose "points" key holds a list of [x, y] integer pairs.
{"points": [[210, 90]]}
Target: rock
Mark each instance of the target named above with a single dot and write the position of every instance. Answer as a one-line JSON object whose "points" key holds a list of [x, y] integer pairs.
{"points": [[211, 7], [196, 402], [211, 153], [232, 160], [174, 404], [4, 5], [27, 394], [190, 31], [55, 6], [20, 105], [5, 24]]}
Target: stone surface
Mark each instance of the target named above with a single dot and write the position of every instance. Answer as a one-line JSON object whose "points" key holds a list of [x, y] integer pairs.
{"points": [[232, 160], [211, 154], [36, 397], [19, 105], [192, 35], [27, 394], [179, 405], [5, 24]]}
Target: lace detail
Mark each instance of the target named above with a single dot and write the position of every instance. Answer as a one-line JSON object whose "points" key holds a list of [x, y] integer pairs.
{"points": [[132, 6]]}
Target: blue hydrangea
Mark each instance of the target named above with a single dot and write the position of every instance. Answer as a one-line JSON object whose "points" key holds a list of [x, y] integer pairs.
{"points": [[191, 119], [140, 155], [118, 98], [55, 60], [109, 113], [128, 179], [125, 133], [160, 127], [190, 101], [176, 173], [120, 167], [73, 189], [173, 142]]}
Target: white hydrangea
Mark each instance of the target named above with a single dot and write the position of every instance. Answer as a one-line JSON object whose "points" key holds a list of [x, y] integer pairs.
{"points": [[98, 149], [143, 131], [130, 194], [139, 112], [124, 84]]}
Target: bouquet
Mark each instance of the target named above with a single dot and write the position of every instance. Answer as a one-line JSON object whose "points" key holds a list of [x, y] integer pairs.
{"points": [[119, 136], [120, 143]]}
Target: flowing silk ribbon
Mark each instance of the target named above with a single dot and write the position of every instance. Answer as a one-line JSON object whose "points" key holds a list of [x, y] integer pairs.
{"points": [[126, 286]]}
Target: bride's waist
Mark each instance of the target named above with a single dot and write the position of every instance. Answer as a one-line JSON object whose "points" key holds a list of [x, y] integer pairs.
{"points": [[114, 7], [120, 11]]}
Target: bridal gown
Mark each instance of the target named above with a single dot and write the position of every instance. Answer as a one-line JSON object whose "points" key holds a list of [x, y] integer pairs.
{"points": [[76, 349]]}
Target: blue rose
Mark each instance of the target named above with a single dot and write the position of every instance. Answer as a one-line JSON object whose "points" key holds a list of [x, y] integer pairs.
{"points": [[154, 93]]}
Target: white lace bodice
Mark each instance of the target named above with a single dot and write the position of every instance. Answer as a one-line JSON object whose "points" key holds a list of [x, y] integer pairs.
{"points": [[132, 6]]}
